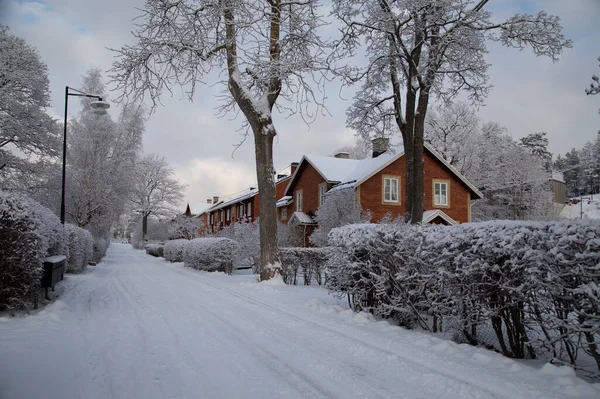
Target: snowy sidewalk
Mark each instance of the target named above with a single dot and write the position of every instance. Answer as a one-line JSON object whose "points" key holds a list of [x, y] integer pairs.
{"points": [[137, 327]]}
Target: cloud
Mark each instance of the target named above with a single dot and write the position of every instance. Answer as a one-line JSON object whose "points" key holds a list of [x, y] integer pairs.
{"points": [[530, 94]]}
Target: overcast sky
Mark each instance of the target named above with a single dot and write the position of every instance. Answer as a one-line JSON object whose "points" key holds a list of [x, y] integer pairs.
{"points": [[530, 94]]}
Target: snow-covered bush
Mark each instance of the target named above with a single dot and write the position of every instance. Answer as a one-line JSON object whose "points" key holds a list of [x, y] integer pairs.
{"points": [[289, 236], [156, 250], [80, 248], [28, 233], [309, 261], [247, 235], [210, 254], [528, 289], [173, 250], [339, 208], [99, 249]]}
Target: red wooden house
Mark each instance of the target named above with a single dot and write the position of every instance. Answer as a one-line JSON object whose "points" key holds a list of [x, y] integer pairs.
{"points": [[378, 183]]}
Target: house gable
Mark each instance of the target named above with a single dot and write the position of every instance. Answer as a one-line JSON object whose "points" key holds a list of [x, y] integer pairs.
{"points": [[371, 189]]}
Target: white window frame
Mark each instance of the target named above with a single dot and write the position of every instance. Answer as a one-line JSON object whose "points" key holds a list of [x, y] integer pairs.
{"points": [[228, 214], [322, 191], [249, 209], [241, 211], [391, 197], [222, 216], [284, 213], [299, 200], [437, 198]]}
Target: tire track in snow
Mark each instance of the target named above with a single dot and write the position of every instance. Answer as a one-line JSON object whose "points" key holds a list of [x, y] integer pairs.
{"points": [[508, 390]]}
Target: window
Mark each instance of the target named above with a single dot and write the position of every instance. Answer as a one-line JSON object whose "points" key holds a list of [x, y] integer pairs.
{"points": [[228, 215], [322, 191], [241, 211], [222, 216], [390, 189], [440, 193], [284, 213], [299, 201], [249, 209], [212, 218]]}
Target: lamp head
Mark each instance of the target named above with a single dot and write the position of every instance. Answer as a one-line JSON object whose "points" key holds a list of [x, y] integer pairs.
{"points": [[100, 106]]}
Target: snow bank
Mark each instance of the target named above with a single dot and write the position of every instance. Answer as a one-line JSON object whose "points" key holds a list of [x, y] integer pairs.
{"points": [[173, 250], [527, 289], [28, 233], [80, 248], [210, 254]]}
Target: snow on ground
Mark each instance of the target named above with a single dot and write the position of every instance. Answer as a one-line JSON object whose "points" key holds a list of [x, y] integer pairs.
{"points": [[591, 209], [138, 327]]}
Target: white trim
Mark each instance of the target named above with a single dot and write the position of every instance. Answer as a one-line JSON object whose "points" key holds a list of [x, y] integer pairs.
{"points": [[391, 193], [446, 203], [428, 216]]}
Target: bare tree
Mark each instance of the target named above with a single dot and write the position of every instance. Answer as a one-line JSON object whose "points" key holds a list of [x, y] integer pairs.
{"points": [[419, 48], [155, 191], [266, 49], [451, 130], [25, 127]]}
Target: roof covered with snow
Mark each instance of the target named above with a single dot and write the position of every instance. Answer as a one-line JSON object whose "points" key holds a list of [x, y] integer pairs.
{"points": [[237, 198], [284, 201], [354, 172], [301, 218]]}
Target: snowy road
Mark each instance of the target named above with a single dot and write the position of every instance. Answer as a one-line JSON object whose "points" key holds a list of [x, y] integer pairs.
{"points": [[138, 327]]}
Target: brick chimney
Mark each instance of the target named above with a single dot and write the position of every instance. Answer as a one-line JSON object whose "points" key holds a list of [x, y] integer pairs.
{"points": [[293, 167], [215, 199], [342, 155], [380, 146], [209, 200]]}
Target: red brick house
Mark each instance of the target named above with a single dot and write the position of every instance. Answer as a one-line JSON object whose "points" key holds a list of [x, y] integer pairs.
{"points": [[378, 183], [244, 206]]}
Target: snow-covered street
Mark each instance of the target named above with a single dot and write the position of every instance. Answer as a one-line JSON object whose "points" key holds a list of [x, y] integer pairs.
{"points": [[138, 327]]}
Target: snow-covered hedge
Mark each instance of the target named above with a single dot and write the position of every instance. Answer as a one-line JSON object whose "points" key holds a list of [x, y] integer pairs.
{"points": [[28, 233], [100, 246], [80, 248], [173, 250], [210, 254], [529, 289], [155, 250], [309, 261]]}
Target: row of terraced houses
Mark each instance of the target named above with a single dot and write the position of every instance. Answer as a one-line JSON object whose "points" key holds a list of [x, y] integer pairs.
{"points": [[377, 181]]}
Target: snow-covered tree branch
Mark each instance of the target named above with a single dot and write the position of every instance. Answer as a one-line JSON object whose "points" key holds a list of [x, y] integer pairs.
{"points": [[266, 49], [420, 48]]}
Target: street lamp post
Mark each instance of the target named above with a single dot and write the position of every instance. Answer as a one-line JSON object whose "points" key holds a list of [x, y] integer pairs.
{"points": [[100, 108]]}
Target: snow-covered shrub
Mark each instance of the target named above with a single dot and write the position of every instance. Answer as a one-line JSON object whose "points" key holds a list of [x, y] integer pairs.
{"points": [[80, 248], [99, 249], [376, 266], [339, 208], [28, 233], [310, 261], [156, 250], [173, 250], [247, 235], [528, 289], [210, 254], [289, 236]]}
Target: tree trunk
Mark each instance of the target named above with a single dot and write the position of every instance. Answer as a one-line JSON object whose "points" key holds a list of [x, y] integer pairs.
{"points": [[263, 139], [144, 226], [418, 169]]}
